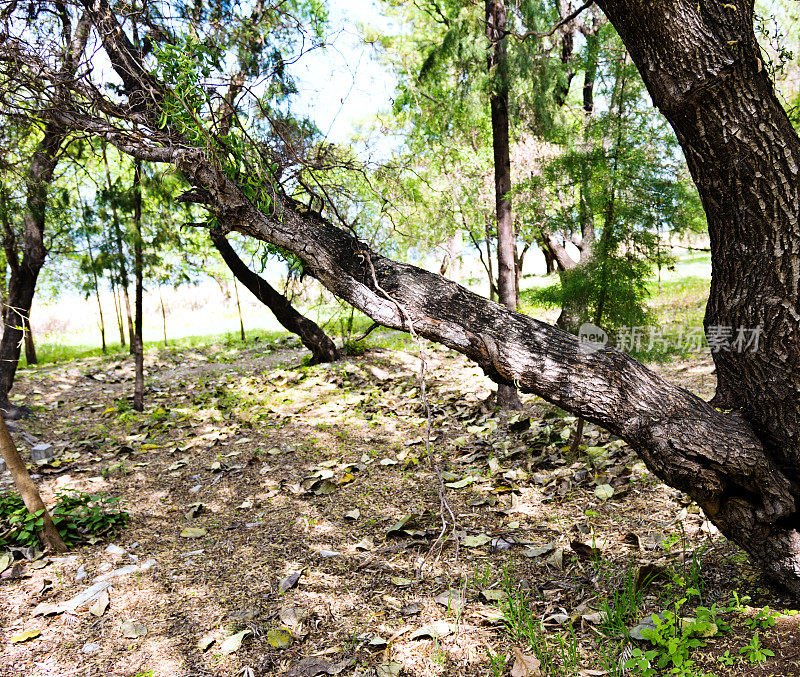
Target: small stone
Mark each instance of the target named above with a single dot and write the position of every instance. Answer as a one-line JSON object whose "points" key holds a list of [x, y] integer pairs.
{"points": [[80, 574], [90, 648], [112, 549], [42, 452], [104, 566]]}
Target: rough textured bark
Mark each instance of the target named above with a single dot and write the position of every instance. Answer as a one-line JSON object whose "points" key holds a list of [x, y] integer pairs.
{"points": [[497, 65], [702, 67], [49, 535], [311, 335], [25, 271]]}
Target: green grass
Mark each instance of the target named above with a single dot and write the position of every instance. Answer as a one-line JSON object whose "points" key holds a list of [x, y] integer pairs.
{"points": [[53, 353]]}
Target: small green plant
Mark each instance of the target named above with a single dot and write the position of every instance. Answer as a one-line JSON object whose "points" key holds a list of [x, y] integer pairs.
{"points": [[497, 663], [354, 348], [727, 659], [754, 652], [765, 618], [557, 653], [673, 638], [623, 608], [78, 516]]}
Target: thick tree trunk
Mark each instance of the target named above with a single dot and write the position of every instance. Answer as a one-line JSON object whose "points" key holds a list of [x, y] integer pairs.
{"points": [[25, 272], [48, 535], [507, 396], [703, 69], [311, 335]]}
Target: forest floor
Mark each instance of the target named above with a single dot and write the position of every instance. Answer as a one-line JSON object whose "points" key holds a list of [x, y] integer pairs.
{"points": [[287, 520]]}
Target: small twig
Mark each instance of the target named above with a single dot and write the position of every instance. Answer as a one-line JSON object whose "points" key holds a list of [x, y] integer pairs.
{"points": [[374, 326], [564, 21], [444, 504]]}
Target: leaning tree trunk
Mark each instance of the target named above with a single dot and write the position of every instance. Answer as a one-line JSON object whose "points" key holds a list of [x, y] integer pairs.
{"points": [[497, 65], [702, 67], [311, 335], [48, 533]]}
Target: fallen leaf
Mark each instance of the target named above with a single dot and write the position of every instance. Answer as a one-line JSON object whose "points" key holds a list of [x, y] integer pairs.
{"points": [[25, 636], [540, 550], [557, 559], [604, 492], [525, 665], [391, 669], [352, 514], [494, 595], [461, 484], [311, 667], [46, 609], [5, 561], [475, 541], [399, 527], [292, 617], [233, 643], [401, 582], [280, 638], [99, 606], [133, 630], [584, 551], [289, 582], [435, 630], [205, 642], [450, 599], [193, 532]]}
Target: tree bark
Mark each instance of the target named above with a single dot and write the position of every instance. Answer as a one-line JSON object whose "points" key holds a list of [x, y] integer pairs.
{"points": [[22, 283], [123, 270], [30, 346], [497, 65], [118, 312], [97, 292], [138, 266], [311, 335], [703, 69], [48, 535]]}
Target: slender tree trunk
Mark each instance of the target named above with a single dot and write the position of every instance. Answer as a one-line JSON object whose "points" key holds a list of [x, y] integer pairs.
{"points": [[163, 316], [30, 346], [311, 335], [138, 265], [118, 312], [97, 292], [507, 396], [123, 270], [48, 535], [239, 309]]}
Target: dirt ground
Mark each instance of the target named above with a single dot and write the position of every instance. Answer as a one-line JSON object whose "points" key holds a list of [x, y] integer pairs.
{"points": [[279, 469]]}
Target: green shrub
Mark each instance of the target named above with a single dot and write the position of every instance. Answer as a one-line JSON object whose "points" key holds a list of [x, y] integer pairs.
{"points": [[78, 516]]}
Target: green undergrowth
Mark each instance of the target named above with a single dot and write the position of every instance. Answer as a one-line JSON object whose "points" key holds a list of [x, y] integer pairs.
{"points": [[78, 516]]}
